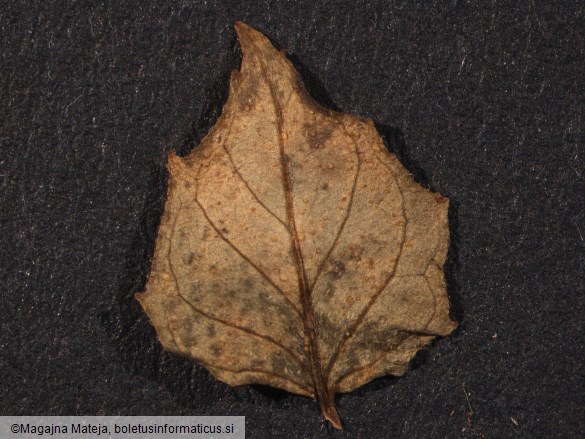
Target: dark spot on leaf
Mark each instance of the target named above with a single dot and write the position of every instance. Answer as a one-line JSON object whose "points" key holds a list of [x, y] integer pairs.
{"points": [[247, 305], [215, 349], [195, 288], [328, 332], [248, 284], [188, 259], [317, 134], [336, 269], [278, 364], [329, 292]]}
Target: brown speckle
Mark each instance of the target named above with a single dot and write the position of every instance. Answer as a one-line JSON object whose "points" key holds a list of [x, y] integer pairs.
{"points": [[441, 199]]}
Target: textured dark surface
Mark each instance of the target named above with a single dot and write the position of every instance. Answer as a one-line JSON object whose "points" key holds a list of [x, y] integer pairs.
{"points": [[483, 103]]}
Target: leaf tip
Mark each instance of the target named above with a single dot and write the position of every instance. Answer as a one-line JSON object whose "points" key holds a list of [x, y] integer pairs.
{"points": [[252, 40], [246, 33], [239, 25]]}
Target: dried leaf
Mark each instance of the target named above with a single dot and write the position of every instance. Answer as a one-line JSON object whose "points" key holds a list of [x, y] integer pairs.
{"points": [[294, 250]]}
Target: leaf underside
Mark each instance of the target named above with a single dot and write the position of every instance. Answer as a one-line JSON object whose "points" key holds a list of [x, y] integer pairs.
{"points": [[294, 250]]}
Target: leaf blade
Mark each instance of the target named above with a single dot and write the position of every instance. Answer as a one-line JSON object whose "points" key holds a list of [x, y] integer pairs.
{"points": [[295, 250]]}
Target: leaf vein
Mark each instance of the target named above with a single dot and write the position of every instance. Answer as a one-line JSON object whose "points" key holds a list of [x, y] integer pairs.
{"points": [[266, 208], [215, 318], [374, 298], [245, 258], [344, 221], [322, 390], [265, 372], [359, 369], [243, 329]]}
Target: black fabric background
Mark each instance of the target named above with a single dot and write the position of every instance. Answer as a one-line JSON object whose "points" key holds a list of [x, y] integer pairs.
{"points": [[482, 102]]}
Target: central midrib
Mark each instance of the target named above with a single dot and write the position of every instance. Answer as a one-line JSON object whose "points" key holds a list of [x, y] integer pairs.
{"points": [[323, 393]]}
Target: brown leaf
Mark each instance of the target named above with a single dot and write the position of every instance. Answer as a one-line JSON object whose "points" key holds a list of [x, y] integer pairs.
{"points": [[294, 250]]}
